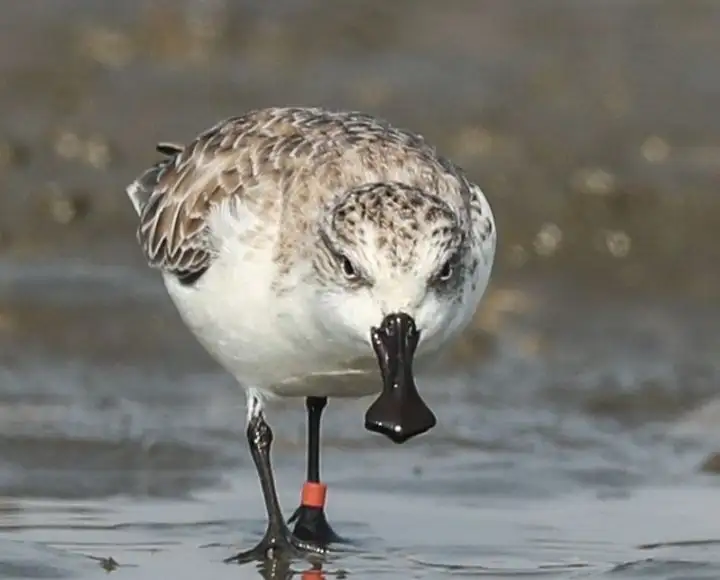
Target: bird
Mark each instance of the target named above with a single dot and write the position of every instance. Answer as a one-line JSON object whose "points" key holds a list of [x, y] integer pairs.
{"points": [[302, 247]]}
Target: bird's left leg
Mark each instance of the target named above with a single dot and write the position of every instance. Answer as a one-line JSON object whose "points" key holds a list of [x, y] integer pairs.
{"points": [[311, 524]]}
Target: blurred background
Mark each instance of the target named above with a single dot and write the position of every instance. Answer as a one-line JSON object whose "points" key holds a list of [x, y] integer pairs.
{"points": [[582, 400]]}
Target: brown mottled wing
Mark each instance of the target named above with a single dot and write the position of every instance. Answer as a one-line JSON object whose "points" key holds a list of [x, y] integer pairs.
{"points": [[173, 198]]}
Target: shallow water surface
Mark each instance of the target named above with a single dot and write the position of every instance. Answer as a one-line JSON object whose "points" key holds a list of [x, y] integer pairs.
{"points": [[663, 532]]}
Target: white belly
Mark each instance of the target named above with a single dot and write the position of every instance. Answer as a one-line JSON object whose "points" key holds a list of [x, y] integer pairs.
{"points": [[270, 352]]}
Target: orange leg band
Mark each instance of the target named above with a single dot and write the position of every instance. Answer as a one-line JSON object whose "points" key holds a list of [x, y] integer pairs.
{"points": [[313, 494], [313, 574]]}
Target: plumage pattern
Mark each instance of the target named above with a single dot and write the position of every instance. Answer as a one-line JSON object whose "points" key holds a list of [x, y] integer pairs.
{"points": [[274, 160]]}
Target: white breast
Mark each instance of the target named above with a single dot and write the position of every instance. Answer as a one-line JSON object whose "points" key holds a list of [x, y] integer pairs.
{"points": [[267, 342]]}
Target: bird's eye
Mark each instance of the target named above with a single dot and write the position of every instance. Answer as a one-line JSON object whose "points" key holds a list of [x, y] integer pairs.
{"points": [[349, 269], [446, 272]]}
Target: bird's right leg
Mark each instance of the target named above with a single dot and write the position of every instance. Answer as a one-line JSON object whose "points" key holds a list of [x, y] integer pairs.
{"points": [[278, 541]]}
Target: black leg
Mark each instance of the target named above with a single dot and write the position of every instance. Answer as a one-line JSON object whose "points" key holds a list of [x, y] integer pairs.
{"points": [[310, 522], [278, 542], [315, 407]]}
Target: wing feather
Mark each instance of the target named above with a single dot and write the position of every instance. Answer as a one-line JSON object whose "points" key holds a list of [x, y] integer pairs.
{"points": [[274, 158], [173, 197]]}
